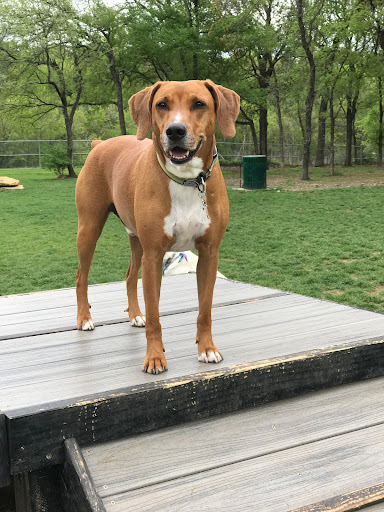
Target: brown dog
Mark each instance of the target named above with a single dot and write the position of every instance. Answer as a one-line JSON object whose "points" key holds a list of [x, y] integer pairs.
{"points": [[170, 195]]}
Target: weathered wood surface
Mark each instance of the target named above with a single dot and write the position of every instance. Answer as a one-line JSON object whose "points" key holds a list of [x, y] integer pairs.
{"points": [[89, 385], [122, 465], [78, 491], [55, 311], [4, 456], [276, 482], [349, 502], [276, 456], [36, 434], [41, 369]]}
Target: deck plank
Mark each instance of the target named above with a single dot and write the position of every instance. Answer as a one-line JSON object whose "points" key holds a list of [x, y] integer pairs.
{"points": [[276, 482], [203, 445], [54, 311]]}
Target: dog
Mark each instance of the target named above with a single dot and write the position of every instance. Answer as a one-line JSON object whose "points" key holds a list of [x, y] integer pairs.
{"points": [[170, 195]]}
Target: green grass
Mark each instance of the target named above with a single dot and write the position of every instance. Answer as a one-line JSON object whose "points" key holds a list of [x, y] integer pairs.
{"points": [[38, 232], [324, 243]]}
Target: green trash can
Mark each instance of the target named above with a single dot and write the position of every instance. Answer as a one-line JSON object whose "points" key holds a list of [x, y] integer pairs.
{"points": [[255, 172]]}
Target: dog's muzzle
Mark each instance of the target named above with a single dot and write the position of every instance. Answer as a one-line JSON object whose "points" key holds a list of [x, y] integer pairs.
{"points": [[177, 150]]}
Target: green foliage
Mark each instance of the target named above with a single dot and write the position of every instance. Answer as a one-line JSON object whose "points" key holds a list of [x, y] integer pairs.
{"points": [[55, 158], [235, 43]]}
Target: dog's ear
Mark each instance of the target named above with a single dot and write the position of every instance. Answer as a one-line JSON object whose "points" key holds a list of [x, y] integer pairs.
{"points": [[140, 106], [227, 108]]}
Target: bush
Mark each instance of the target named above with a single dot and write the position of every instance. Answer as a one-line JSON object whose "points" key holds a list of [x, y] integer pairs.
{"points": [[55, 158]]}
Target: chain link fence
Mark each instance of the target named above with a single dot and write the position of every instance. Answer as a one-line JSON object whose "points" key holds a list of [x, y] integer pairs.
{"points": [[28, 153], [231, 153]]}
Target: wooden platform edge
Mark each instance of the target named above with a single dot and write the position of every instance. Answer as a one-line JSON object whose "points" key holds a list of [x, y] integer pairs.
{"points": [[78, 490], [349, 502], [5, 479], [36, 435]]}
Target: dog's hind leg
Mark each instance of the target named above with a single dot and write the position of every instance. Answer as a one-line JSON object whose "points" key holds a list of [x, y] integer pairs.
{"points": [[89, 231], [136, 317]]}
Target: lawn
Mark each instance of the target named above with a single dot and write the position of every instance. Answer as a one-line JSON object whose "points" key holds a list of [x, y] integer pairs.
{"points": [[322, 243]]}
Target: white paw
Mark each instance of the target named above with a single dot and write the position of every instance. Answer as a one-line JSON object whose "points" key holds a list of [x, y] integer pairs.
{"points": [[88, 326], [138, 321], [210, 357]]}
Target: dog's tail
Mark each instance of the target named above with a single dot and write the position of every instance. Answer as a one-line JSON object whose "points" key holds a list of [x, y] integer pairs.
{"points": [[94, 143]]}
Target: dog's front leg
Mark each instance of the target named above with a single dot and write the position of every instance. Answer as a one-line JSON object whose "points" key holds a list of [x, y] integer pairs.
{"points": [[152, 266], [206, 278]]}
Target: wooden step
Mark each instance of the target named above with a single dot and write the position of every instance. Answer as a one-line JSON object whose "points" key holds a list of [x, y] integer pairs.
{"points": [[318, 450]]}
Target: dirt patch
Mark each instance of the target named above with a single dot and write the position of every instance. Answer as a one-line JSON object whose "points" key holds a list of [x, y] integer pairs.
{"points": [[320, 179], [335, 293], [379, 289]]}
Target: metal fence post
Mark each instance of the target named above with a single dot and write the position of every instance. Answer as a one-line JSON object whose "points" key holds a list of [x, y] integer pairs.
{"points": [[39, 154]]}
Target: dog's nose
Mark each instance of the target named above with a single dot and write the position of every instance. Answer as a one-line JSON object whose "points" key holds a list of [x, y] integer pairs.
{"points": [[176, 131]]}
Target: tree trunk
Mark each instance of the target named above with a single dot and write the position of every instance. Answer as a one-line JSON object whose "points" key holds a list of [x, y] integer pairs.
{"points": [[348, 154], [254, 136], [332, 143], [308, 127], [280, 119], [263, 133], [68, 129], [300, 120], [263, 79], [119, 93], [351, 114], [311, 91], [249, 122], [380, 139], [320, 153]]}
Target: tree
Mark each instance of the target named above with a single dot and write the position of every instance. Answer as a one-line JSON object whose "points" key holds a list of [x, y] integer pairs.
{"points": [[377, 28], [307, 32], [176, 40], [105, 33], [46, 61], [259, 44], [320, 152]]}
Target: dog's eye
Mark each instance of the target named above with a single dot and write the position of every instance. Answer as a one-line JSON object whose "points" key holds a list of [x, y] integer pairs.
{"points": [[162, 105], [198, 105]]}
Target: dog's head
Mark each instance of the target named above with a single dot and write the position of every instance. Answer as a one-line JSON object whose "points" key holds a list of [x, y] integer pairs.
{"points": [[183, 115]]}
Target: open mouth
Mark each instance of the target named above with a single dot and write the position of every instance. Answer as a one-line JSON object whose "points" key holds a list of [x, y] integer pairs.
{"points": [[179, 155]]}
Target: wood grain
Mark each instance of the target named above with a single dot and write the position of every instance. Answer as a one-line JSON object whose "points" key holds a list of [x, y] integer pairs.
{"points": [[78, 491], [55, 311], [203, 445], [348, 502], [4, 456], [278, 482]]}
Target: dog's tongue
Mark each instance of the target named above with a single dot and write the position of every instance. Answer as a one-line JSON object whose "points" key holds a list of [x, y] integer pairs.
{"points": [[179, 153]]}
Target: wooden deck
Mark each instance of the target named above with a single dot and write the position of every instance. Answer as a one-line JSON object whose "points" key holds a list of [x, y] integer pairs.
{"points": [[57, 383], [275, 456]]}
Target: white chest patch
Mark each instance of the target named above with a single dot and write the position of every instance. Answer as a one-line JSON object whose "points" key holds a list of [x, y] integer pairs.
{"points": [[187, 220]]}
